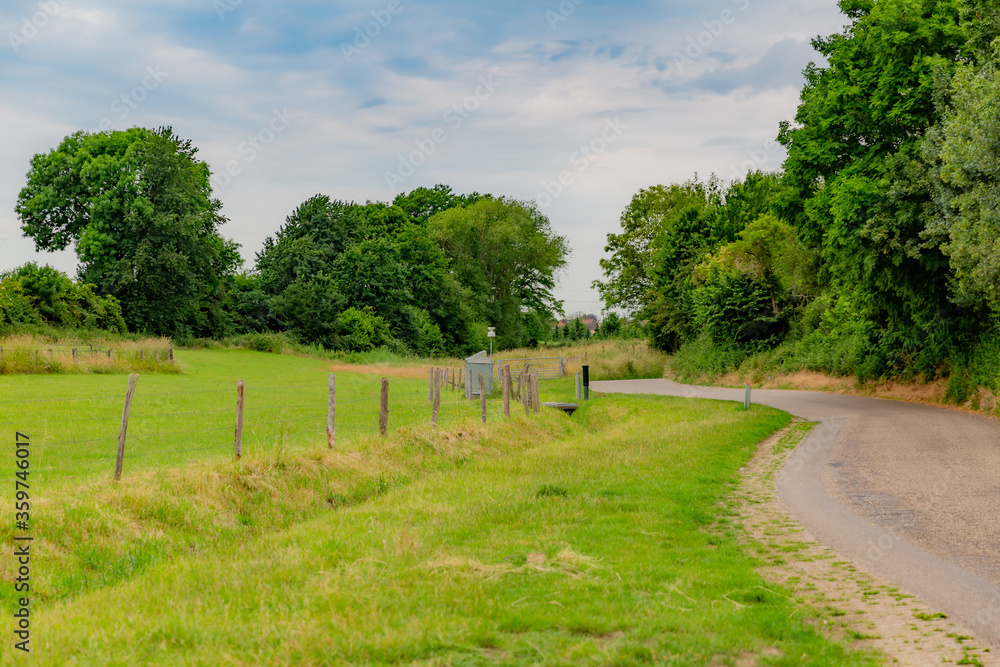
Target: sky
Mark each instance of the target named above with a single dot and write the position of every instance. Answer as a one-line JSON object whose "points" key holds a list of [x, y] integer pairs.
{"points": [[572, 104]]}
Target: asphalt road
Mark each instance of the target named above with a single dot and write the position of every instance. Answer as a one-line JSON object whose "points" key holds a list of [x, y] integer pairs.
{"points": [[910, 492]]}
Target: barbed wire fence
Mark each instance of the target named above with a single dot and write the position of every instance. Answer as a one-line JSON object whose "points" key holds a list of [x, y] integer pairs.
{"points": [[107, 436]]}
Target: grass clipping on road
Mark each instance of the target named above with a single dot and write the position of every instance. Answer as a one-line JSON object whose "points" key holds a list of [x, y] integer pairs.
{"points": [[606, 538]]}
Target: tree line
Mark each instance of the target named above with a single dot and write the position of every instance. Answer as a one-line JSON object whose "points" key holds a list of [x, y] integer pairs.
{"points": [[875, 249], [425, 273]]}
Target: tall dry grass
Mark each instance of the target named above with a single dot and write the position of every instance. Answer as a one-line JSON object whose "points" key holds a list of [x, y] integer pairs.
{"points": [[24, 354], [607, 359]]}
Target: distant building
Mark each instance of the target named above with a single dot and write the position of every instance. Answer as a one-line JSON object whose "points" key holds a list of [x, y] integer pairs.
{"points": [[589, 321]]}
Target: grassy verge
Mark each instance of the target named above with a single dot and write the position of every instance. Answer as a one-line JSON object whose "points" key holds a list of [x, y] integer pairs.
{"points": [[606, 538], [969, 389]]}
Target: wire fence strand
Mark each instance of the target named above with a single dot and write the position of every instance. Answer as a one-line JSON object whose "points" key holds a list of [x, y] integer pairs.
{"points": [[267, 421]]}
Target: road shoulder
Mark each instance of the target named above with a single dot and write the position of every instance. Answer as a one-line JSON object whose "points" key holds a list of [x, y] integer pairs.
{"points": [[868, 610]]}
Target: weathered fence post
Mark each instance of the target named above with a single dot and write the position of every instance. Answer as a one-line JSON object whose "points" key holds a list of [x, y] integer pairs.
{"points": [[437, 396], [170, 355], [383, 413], [142, 354], [525, 390], [505, 382], [111, 355], [76, 358], [482, 396], [133, 380], [430, 384], [331, 412], [238, 443]]}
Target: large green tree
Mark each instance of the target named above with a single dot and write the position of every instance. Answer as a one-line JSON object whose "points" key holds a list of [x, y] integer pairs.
{"points": [[504, 252], [422, 204], [629, 278], [965, 150], [859, 189], [137, 207], [373, 259]]}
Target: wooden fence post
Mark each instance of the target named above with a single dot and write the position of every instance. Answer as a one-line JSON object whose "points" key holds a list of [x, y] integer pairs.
{"points": [[142, 354], [170, 355], [535, 393], [383, 413], [331, 413], [76, 359], [524, 388], [133, 380], [482, 396], [505, 382], [437, 396], [238, 443], [430, 384]]}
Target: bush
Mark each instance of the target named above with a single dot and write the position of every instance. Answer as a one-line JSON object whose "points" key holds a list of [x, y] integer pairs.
{"points": [[363, 330], [43, 296], [702, 359], [275, 343]]}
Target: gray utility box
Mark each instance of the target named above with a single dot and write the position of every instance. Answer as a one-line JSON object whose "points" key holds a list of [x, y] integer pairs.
{"points": [[474, 365]]}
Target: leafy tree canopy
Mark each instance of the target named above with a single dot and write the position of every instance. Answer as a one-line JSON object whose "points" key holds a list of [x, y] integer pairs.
{"points": [[137, 206], [505, 253]]}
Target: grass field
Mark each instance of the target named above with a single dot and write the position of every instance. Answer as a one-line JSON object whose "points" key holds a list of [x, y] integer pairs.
{"points": [[605, 538], [75, 421]]}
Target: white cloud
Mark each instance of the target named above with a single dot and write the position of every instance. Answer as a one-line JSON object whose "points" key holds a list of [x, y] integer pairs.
{"points": [[555, 91]]}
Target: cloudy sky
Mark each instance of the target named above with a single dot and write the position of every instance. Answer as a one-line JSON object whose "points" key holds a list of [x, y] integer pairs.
{"points": [[574, 104]]}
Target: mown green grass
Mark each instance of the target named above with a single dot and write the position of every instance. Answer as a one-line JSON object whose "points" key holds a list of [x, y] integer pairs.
{"points": [[605, 538]]}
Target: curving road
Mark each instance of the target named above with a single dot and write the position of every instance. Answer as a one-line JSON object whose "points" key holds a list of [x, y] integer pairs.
{"points": [[910, 492]]}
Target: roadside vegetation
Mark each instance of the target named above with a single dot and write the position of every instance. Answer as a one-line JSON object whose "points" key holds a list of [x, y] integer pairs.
{"points": [[606, 537], [871, 253]]}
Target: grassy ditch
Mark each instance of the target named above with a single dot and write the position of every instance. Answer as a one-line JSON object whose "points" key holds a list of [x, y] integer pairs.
{"points": [[606, 538]]}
